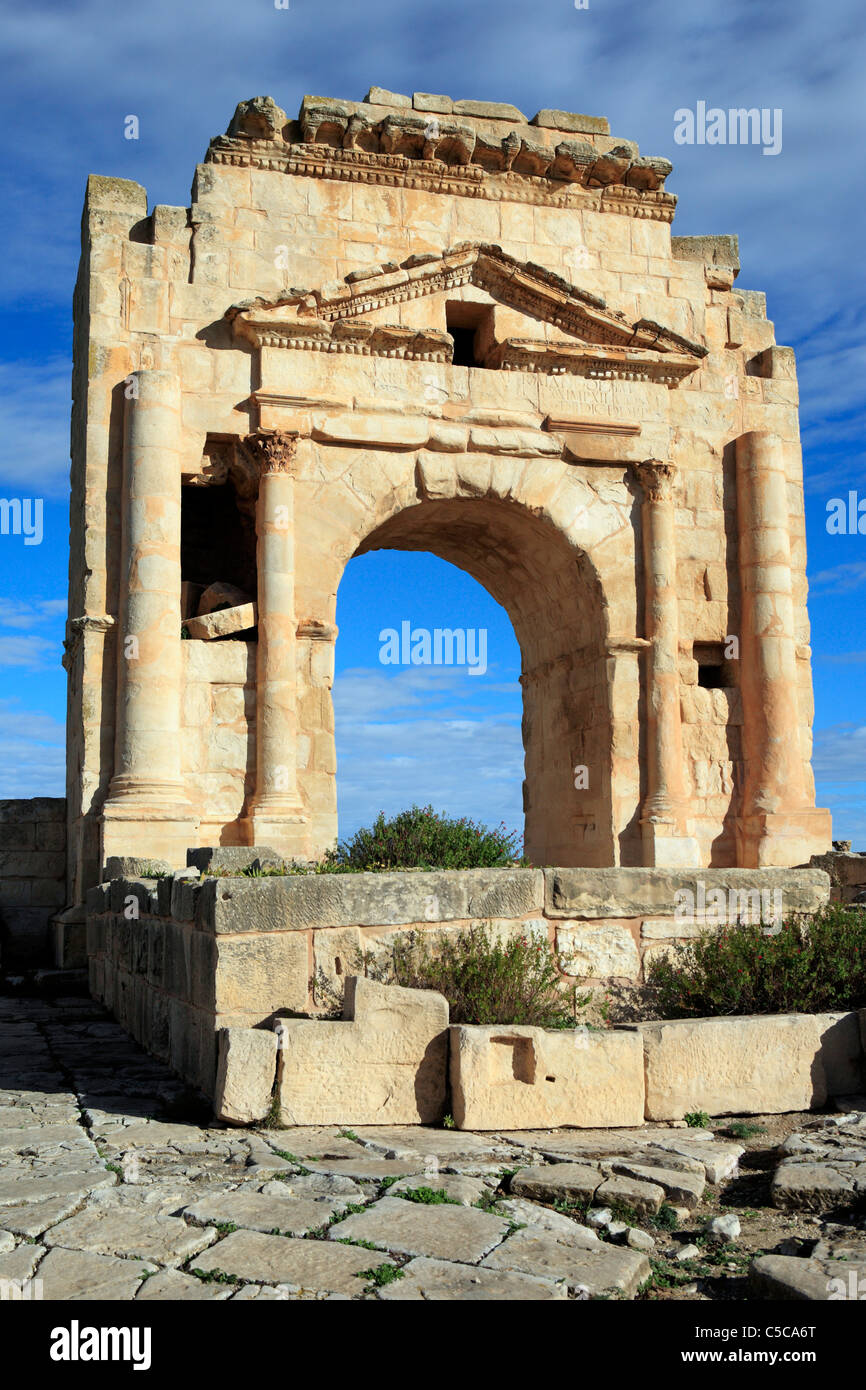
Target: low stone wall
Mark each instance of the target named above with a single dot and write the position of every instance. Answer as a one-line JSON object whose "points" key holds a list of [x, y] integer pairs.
{"points": [[32, 877], [179, 958]]}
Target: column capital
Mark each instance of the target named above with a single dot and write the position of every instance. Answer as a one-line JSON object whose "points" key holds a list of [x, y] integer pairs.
{"points": [[657, 478], [274, 451]]}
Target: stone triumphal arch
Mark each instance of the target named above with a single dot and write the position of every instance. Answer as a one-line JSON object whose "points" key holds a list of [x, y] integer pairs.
{"points": [[422, 324]]}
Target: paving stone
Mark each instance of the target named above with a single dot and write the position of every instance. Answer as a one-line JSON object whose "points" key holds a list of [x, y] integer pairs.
{"points": [[7, 1242], [684, 1188], [575, 1182], [798, 1186], [32, 1218], [32, 1138], [130, 1234], [719, 1161], [313, 1185], [525, 1213], [369, 1169], [819, 1281], [409, 1228], [312, 1142], [441, 1281], [642, 1197], [459, 1187], [34, 1189], [600, 1269], [314, 1264], [20, 1263], [155, 1134], [253, 1211], [80, 1276], [404, 1141], [170, 1284]]}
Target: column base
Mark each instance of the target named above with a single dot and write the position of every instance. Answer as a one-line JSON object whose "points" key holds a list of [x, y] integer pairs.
{"points": [[282, 826], [784, 839], [147, 831], [666, 847]]}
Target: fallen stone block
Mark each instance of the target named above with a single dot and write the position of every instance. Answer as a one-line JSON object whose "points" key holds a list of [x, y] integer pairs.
{"points": [[641, 1196], [385, 1062], [752, 1065], [222, 623], [246, 1072], [558, 1182], [505, 1077], [807, 1280], [803, 1186]]}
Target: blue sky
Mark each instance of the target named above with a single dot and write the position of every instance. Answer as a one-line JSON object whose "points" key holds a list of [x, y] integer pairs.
{"points": [[74, 71]]}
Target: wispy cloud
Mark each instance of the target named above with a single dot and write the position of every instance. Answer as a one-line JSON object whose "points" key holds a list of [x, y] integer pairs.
{"points": [[32, 752], [841, 579]]}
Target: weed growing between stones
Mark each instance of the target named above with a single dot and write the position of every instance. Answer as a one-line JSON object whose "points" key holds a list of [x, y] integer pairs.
{"points": [[380, 1275], [698, 1119], [809, 965], [742, 1129], [426, 1196], [214, 1276]]}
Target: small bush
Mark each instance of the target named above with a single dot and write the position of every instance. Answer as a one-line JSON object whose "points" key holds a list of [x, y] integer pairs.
{"points": [[421, 838], [490, 981], [812, 965], [698, 1119]]}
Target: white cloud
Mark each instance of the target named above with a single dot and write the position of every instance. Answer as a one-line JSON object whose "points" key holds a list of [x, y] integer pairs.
{"points": [[396, 747], [32, 752], [17, 613], [34, 653], [34, 427], [841, 579]]}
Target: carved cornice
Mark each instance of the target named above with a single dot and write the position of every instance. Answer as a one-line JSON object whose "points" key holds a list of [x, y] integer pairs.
{"points": [[366, 143], [657, 478], [75, 631], [273, 451]]}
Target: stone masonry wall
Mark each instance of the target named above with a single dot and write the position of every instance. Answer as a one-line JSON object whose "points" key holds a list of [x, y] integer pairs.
{"points": [[32, 876], [176, 959]]}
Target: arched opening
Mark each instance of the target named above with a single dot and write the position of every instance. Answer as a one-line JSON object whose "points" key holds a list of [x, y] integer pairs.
{"points": [[427, 696], [553, 598]]}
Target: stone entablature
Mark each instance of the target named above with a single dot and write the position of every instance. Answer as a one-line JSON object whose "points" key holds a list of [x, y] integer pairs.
{"points": [[616, 443]]}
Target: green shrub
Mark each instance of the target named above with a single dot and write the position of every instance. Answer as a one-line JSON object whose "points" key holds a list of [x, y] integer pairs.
{"points": [[486, 980], [421, 838], [811, 965]]}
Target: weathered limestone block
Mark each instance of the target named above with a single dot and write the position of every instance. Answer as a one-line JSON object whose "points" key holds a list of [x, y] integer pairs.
{"points": [[371, 900], [223, 622], [246, 1072], [384, 1063], [626, 892], [597, 950], [749, 1066], [509, 1077]]}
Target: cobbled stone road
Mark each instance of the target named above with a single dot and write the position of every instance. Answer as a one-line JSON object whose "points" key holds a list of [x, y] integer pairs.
{"points": [[116, 1184]]}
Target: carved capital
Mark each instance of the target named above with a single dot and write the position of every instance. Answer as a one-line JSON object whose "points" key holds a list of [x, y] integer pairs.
{"points": [[275, 451], [656, 478]]}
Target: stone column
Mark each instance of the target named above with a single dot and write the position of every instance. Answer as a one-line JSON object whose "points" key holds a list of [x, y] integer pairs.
{"points": [[276, 815], [146, 812], [779, 825], [663, 817]]}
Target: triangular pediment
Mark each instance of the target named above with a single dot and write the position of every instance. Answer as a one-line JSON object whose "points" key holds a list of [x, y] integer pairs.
{"points": [[336, 317]]}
